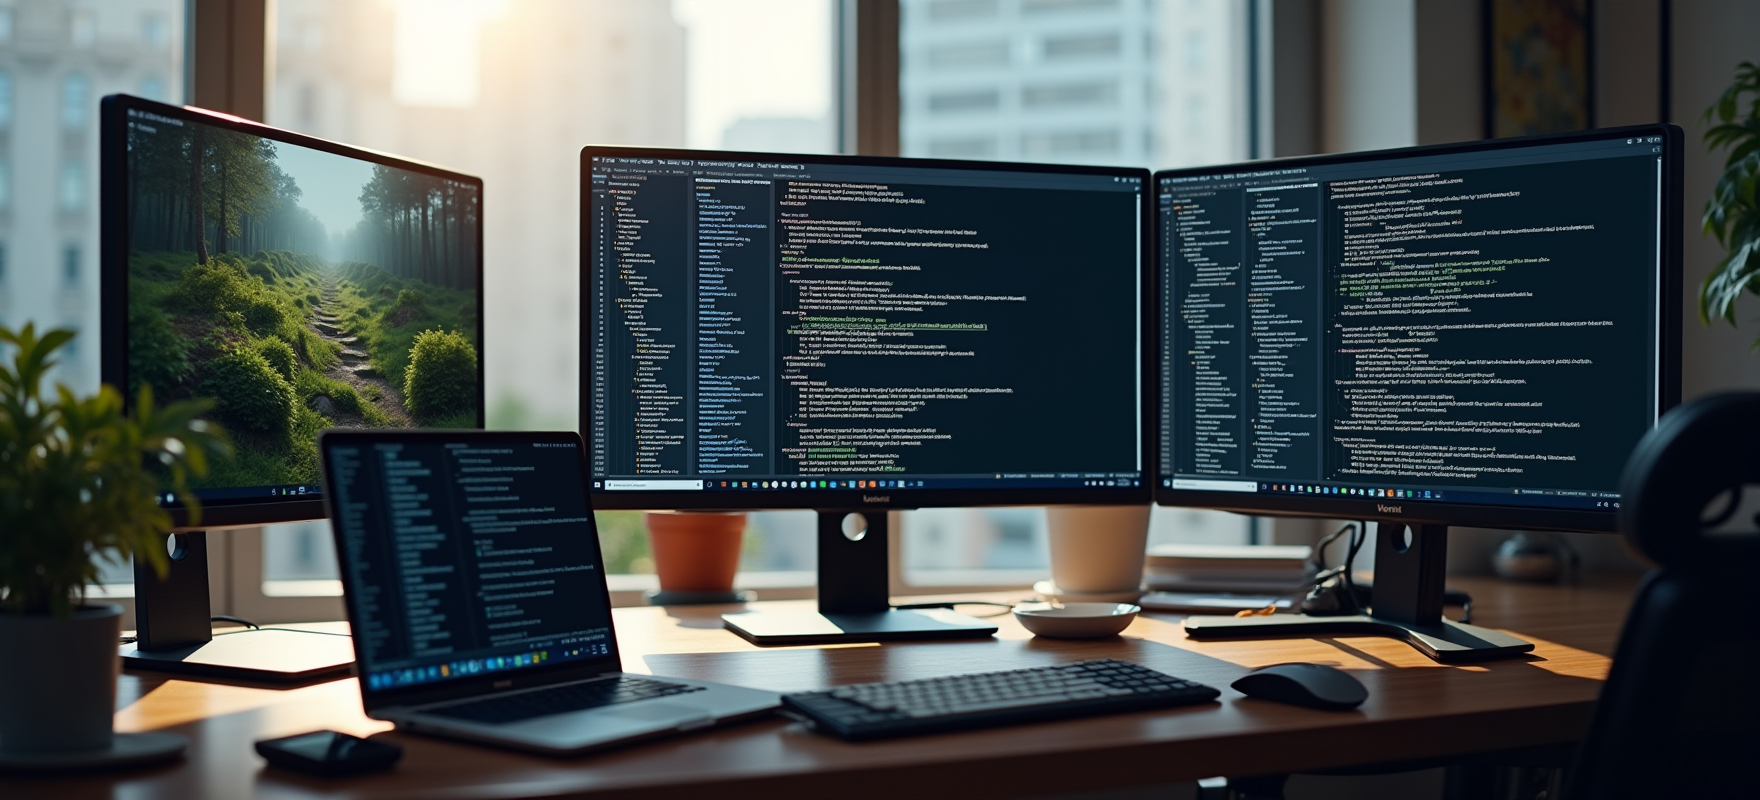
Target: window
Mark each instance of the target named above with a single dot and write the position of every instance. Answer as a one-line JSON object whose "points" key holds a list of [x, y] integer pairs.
{"points": [[5, 100], [73, 186], [154, 32], [2, 264], [152, 88], [70, 257], [473, 84], [952, 10], [956, 101], [5, 184], [960, 55], [83, 28], [5, 26], [1059, 95], [1093, 45], [76, 98], [1089, 81]]}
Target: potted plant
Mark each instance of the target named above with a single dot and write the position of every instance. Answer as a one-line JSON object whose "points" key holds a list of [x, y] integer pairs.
{"points": [[696, 554], [79, 481], [1732, 215]]}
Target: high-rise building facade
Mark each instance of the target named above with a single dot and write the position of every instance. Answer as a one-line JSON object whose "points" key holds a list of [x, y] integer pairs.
{"points": [[1140, 82]]}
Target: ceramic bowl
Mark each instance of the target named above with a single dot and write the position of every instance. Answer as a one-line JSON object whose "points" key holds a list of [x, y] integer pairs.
{"points": [[1076, 620]]}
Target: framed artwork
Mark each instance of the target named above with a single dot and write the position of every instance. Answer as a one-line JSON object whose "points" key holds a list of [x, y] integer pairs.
{"points": [[1537, 57]]}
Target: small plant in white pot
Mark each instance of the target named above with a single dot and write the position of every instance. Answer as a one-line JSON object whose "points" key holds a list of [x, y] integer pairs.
{"points": [[79, 482]]}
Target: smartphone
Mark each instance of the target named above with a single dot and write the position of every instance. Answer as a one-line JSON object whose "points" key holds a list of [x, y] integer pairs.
{"points": [[329, 754]]}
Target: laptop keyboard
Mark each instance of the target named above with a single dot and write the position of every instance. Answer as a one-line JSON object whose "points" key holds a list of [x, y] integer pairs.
{"points": [[561, 700]]}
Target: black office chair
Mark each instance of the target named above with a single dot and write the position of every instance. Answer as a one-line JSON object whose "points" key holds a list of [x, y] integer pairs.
{"points": [[1680, 713]]}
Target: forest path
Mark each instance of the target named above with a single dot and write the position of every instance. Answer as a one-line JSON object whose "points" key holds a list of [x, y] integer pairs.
{"points": [[353, 368]]}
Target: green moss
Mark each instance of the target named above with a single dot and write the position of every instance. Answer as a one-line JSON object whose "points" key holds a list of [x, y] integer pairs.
{"points": [[250, 394], [441, 377]]}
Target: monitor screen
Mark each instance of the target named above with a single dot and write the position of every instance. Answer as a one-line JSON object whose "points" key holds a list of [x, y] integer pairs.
{"points": [[465, 554], [298, 283], [829, 332], [1472, 334]]}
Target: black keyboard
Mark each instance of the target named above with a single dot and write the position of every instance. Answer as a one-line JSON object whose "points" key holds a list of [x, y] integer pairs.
{"points": [[987, 699], [560, 699]]}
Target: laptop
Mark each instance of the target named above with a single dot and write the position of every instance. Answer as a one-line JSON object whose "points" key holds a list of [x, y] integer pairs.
{"points": [[476, 592]]}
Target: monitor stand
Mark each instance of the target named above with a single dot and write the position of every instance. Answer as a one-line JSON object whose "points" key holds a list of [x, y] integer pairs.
{"points": [[173, 631], [1410, 562], [855, 603]]}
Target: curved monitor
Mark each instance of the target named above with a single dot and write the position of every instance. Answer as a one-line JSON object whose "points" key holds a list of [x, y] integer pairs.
{"points": [[301, 283], [1473, 334], [824, 332]]}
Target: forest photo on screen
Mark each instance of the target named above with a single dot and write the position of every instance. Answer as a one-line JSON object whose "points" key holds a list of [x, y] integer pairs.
{"points": [[299, 289]]}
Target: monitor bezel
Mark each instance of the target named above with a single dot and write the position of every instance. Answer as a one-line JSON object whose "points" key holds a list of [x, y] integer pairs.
{"points": [[705, 500], [113, 274], [491, 682], [1445, 513]]}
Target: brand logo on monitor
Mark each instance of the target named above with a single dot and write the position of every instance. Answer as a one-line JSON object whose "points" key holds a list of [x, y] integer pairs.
{"points": [[504, 684], [876, 498], [1389, 509]]}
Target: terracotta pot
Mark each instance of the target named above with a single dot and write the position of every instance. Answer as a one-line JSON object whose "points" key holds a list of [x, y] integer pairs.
{"points": [[58, 680], [695, 551]]}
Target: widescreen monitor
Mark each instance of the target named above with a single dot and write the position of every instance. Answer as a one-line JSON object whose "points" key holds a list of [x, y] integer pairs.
{"points": [[840, 332], [846, 333], [300, 283], [1473, 334]]}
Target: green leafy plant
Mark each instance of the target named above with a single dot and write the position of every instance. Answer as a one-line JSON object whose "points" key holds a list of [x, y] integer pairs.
{"points": [[280, 355], [250, 393], [79, 478], [441, 378], [1732, 215]]}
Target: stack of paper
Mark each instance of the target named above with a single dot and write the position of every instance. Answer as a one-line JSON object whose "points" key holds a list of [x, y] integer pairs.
{"points": [[1226, 568]]}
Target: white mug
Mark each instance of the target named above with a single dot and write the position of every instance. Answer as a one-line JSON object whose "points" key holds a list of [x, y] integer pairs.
{"points": [[1097, 549]]}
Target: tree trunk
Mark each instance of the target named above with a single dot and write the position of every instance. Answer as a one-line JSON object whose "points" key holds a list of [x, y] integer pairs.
{"points": [[196, 220]]}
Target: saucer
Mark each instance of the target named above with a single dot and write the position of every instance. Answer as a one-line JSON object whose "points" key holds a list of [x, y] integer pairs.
{"points": [[125, 750], [1075, 620]]}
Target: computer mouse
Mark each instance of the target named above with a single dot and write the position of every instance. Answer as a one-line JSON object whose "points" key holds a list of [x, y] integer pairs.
{"points": [[1309, 685]]}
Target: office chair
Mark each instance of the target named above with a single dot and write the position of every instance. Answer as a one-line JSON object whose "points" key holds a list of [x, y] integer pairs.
{"points": [[1680, 713]]}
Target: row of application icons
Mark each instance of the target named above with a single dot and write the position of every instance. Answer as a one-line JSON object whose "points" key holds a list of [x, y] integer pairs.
{"points": [[476, 666], [885, 484], [1394, 494], [287, 491], [1110, 482]]}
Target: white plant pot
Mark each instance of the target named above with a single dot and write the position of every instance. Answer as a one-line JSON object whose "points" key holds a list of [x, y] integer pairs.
{"points": [[58, 681], [1097, 549]]}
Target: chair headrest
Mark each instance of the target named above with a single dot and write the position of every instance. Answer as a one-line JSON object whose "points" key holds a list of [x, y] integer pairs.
{"points": [[1682, 494]]}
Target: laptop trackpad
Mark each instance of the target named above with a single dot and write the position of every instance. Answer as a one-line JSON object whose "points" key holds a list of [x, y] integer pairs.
{"points": [[658, 712]]}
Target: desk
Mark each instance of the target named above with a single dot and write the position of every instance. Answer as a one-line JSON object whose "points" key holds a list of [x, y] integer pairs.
{"points": [[1416, 709]]}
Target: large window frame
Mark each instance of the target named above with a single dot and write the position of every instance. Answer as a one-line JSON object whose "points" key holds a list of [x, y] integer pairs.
{"points": [[228, 65]]}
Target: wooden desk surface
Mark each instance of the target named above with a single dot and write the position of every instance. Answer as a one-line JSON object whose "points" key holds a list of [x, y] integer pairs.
{"points": [[1416, 709]]}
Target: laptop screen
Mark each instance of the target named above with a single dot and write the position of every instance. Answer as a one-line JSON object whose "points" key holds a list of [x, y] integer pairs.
{"points": [[465, 554]]}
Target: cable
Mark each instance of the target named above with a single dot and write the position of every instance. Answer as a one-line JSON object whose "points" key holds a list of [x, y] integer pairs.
{"points": [[235, 620], [1006, 607]]}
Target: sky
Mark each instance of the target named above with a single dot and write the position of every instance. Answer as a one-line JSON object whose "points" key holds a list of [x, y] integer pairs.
{"points": [[744, 58], [330, 185]]}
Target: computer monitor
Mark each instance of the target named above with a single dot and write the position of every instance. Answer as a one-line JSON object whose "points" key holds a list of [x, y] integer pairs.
{"points": [[844, 333], [1473, 334], [301, 284]]}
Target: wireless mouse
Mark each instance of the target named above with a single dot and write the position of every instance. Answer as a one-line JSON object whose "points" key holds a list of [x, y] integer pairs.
{"points": [[1309, 685]]}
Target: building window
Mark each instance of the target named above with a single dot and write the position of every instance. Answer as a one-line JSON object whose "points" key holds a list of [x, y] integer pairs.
{"points": [[5, 100], [5, 184], [70, 267], [73, 186], [2, 263], [973, 147], [76, 97], [84, 29], [1070, 94], [1044, 6], [153, 88], [960, 55], [950, 102], [952, 10], [5, 26], [155, 33], [1092, 45], [1062, 143]]}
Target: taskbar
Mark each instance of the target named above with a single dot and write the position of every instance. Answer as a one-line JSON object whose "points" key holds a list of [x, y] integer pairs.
{"points": [[799, 483], [309, 491], [1537, 498]]}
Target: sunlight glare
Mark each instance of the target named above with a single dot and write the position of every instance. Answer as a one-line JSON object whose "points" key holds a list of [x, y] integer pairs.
{"points": [[437, 51]]}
